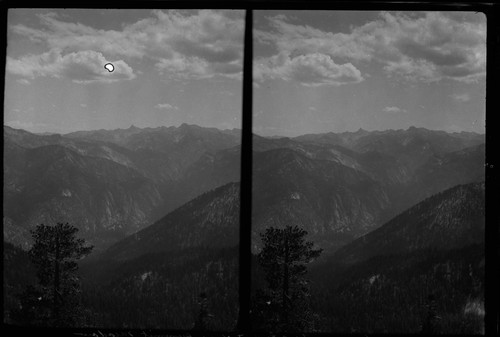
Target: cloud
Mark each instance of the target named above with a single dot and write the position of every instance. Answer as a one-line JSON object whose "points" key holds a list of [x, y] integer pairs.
{"points": [[184, 67], [394, 109], [304, 39], [186, 44], [461, 97], [80, 67], [83, 105], [166, 106], [309, 70], [421, 46], [23, 81]]}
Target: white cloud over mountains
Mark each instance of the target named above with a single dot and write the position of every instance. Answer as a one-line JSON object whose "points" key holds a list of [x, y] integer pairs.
{"points": [[81, 67], [427, 46], [184, 44], [416, 46], [310, 69]]}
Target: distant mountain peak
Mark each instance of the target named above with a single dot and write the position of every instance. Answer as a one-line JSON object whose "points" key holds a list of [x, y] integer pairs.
{"points": [[186, 126]]}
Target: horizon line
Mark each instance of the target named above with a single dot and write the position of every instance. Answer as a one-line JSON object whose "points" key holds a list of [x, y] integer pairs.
{"points": [[132, 126]]}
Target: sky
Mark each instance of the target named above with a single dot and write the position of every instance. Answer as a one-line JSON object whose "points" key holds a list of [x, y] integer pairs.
{"points": [[314, 71], [170, 67], [337, 71]]}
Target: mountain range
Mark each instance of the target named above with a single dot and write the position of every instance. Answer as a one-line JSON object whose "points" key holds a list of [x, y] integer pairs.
{"points": [[115, 182], [162, 206], [108, 183], [341, 186], [112, 183]]}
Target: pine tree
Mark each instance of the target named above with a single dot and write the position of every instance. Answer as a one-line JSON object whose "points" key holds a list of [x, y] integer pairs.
{"points": [[54, 300], [284, 304]]}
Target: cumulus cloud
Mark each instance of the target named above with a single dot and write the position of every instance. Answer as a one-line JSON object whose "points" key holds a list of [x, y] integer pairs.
{"points": [[166, 106], [309, 70], [394, 109], [182, 43], [427, 46], [80, 67], [461, 97]]}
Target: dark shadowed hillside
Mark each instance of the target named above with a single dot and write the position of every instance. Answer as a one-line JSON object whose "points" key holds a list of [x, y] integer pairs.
{"points": [[211, 220], [18, 273], [162, 290], [160, 272], [434, 249], [451, 219]]}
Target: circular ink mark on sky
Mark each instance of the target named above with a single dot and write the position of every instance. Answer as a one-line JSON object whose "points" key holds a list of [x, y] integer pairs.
{"points": [[109, 67]]}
